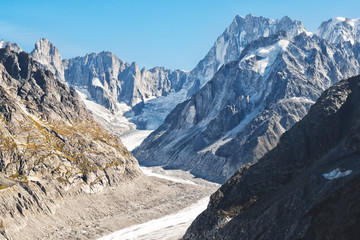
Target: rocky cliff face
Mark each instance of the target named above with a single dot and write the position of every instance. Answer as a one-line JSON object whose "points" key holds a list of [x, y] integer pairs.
{"points": [[50, 146], [241, 113], [337, 30], [49, 58], [109, 81], [153, 93], [229, 45], [305, 188], [227, 48], [13, 46]]}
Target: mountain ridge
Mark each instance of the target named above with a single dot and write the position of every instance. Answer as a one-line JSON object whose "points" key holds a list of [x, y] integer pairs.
{"points": [[240, 114], [305, 188]]}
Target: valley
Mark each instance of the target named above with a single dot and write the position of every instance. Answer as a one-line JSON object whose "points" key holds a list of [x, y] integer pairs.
{"points": [[141, 203], [260, 140]]}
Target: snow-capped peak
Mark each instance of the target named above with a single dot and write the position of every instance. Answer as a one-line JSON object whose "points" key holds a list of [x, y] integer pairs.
{"points": [[340, 29], [236, 37], [13, 46]]}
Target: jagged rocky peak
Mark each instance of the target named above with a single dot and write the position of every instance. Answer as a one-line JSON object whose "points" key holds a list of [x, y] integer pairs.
{"points": [[227, 48], [50, 146], [337, 30], [230, 44], [49, 58], [305, 188], [110, 80], [243, 110], [13, 46]]}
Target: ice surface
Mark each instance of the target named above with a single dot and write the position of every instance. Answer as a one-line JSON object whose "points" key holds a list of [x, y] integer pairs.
{"points": [[169, 227], [268, 55], [151, 172], [96, 82], [336, 173], [220, 49], [134, 138], [172, 226], [155, 110]]}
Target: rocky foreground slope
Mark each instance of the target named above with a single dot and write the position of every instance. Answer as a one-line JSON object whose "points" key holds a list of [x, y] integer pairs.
{"points": [[305, 188], [50, 146]]}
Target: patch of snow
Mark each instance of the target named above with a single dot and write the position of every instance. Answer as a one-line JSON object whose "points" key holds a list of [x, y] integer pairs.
{"points": [[268, 55], [169, 227], [220, 49], [152, 172], [266, 33], [113, 121], [339, 19], [134, 138], [242, 35], [298, 99], [191, 115], [229, 135], [336, 173], [96, 82]]}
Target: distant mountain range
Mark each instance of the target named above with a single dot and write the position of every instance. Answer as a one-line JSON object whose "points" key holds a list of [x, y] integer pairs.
{"points": [[243, 110], [225, 119], [260, 77]]}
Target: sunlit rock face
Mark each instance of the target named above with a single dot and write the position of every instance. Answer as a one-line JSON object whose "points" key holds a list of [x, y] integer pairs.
{"points": [[50, 146]]}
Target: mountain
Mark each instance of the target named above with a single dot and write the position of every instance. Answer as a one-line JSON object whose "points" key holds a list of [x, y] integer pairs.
{"points": [[109, 81], [337, 30], [13, 46], [234, 39], [51, 149], [227, 48], [305, 188], [152, 94], [49, 58], [243, 110]]}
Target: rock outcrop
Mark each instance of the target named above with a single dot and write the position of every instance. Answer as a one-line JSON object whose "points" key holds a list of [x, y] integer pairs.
{"points": [[305, 188], [13, 46], [50, 146], [49, 58]]}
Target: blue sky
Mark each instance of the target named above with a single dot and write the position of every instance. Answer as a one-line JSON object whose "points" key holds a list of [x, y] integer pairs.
{"points": [[170, 33]]}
